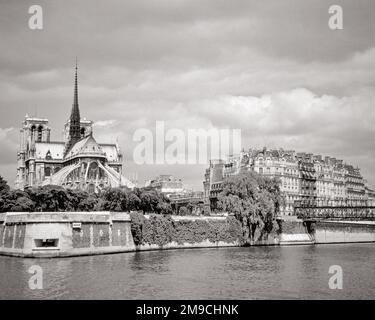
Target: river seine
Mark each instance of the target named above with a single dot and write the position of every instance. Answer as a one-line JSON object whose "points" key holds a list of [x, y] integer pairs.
{"points": [[295, 272]]}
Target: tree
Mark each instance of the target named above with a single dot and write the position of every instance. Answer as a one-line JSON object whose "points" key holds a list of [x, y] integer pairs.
{"points": [[134, 202], [50, 198], [89, 203], [15, 200], [183, 211], [164, 208], [23, 204], [150, 201], [114, 199], [79, 200], [3, 185], [255, 202], [205, 211], [190, 206], [56, 198]]}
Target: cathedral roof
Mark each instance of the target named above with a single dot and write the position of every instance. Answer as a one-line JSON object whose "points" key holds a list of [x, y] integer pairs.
{"points": [[86, 147], [56, 150]]}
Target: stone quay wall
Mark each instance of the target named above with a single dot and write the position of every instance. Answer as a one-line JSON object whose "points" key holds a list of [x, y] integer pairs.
{"points": [[344, 231], [294, 232], [64, 234]]}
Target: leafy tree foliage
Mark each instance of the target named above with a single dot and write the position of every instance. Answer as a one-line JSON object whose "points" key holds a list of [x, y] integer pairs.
{"points": [[15, 200], [52, 198], [115, 199], [134, 203], [183, 211], [164, 208], [255, 202], [56, 199], [3, 185]]}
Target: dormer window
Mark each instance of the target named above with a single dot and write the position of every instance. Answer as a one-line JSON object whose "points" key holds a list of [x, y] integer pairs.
{"points": [[48, 155]]}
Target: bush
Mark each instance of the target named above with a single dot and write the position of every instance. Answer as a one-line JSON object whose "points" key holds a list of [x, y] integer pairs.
{"points": [[136, 227], [158, 230], [161, 230]]}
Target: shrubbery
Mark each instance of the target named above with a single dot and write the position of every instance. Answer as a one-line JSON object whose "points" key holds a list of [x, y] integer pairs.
{"points": [[160, 230]]}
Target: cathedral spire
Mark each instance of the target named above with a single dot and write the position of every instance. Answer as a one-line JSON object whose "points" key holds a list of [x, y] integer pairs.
{"points": [[75, 100], [75, 118]]}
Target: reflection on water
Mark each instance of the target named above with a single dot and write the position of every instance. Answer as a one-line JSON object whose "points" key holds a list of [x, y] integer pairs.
{"points": [[226, 273]]}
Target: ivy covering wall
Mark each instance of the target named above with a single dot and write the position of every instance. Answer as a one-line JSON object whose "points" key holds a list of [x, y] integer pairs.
{"points": [[160, 230]]}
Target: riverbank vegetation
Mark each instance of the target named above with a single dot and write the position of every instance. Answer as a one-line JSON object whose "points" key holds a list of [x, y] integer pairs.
{"points": [[252, 201], [161, 230], [255, 201]]}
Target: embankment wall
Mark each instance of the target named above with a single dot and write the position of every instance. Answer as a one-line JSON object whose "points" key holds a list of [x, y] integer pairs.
{"points": [[39, 235]]}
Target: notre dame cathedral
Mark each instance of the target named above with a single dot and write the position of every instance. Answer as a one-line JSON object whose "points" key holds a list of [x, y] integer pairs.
{"points": [[78, 162]]}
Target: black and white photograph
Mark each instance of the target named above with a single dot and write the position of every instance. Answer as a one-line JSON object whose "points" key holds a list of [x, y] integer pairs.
{"points": [[180, 150]]}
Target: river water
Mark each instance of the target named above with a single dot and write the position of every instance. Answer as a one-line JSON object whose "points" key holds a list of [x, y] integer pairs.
{"points": [[295, 272]]}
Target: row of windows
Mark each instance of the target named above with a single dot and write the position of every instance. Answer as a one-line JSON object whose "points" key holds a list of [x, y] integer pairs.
{"points": [[285, 170]]}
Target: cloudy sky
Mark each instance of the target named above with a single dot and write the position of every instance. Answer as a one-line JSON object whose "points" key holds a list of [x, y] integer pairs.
{"points": [[271, 68]]}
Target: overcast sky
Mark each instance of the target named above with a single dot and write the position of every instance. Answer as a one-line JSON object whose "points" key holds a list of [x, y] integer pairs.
{"points": [[271, 68]]}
